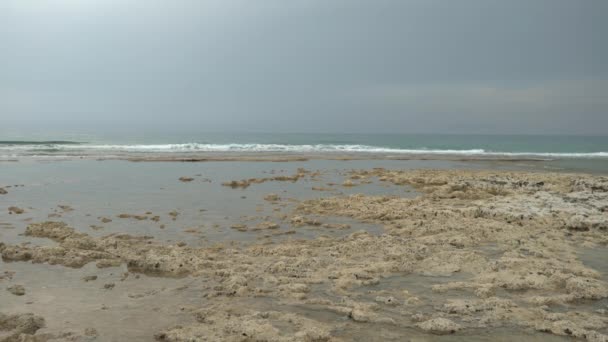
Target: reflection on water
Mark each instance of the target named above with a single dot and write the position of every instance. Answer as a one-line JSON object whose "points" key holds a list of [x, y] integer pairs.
{"points": [[99, 191]]}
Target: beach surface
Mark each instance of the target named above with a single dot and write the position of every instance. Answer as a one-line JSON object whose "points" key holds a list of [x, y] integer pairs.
{"points": [[303, 249]]}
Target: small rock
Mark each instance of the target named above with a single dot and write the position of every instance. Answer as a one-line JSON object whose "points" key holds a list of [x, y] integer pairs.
{"points": [[267, 225], [440, 326], [348, 183], [109, 286], [239, 227], [106, 263], [271, 197], [15, 210], [336, 226], [186, 179], [7, 275], [484, 291], [137, 217], [89, 278], [17, 290], [91, 332], [417, 317]]}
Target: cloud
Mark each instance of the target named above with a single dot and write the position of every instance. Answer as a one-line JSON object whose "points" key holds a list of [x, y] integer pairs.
{"points": [[343, 65]]}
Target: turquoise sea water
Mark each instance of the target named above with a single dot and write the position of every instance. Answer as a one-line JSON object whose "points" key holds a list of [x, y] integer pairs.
{"points": [[191, 142]]}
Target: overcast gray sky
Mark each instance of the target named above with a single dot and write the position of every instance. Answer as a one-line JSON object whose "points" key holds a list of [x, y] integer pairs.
{"points": [[517, 66]]}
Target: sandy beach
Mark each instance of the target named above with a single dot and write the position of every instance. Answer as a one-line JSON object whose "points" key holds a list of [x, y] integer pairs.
{"points": [[302, 251]]}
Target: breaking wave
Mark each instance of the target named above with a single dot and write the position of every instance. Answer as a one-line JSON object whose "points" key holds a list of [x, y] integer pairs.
{"points": [[26, 148]]}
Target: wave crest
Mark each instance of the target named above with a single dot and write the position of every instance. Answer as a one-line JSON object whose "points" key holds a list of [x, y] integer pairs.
{"points": [[90, 149]]}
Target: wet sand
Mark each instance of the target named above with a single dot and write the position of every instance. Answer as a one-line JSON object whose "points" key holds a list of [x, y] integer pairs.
{"points": [[302, 251]]}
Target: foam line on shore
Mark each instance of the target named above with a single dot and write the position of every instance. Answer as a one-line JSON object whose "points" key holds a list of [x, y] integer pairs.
{"points": [[100, 150]]}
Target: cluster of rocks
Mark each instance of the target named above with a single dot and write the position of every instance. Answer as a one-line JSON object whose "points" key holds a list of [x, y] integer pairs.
{"points": [[245, 183], [506, 241]]}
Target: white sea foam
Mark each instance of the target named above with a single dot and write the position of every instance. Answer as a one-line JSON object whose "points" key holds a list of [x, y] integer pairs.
{"points": [[96, 149]]}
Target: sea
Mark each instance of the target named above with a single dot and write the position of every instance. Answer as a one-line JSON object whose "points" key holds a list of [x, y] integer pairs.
{"points": [[61, 144]]}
